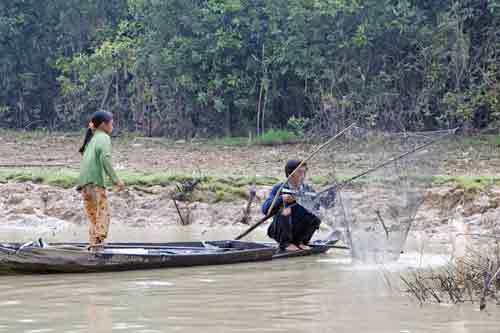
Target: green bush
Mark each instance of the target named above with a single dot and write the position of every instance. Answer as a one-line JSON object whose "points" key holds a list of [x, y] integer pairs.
{"points": [[297, 125], [270, 137], [277, 136]]}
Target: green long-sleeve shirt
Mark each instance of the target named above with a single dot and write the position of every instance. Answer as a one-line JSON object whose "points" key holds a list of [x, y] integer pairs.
{"points": [[97, 161]]}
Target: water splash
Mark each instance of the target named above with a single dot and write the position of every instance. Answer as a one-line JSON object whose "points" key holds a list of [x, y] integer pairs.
{"points": [[407, 261]]}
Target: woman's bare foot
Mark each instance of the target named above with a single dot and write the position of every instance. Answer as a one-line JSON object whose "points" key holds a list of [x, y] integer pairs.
{"points": [[292, 248], [304, 246], [96, 247]]}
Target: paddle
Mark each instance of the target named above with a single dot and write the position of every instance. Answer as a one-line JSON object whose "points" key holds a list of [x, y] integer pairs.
{"points": [[278, 193]]}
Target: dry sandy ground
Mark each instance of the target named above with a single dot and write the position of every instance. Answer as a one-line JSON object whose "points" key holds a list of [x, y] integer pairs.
{"points": [[458, 157]]}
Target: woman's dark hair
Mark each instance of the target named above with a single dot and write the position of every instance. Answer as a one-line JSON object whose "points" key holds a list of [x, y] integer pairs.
{"points": [[97, 119], [291, 165]]}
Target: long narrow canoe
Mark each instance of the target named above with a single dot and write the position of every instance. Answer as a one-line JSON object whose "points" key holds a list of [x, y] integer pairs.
{"points": [[38, 257]]}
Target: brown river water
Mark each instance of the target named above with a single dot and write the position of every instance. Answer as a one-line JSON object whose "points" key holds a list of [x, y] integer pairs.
{"points": [[326, 293]]}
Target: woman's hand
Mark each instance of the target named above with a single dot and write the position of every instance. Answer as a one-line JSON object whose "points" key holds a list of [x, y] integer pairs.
{"points": [[289, 199], [120, 186], [286, 212]]}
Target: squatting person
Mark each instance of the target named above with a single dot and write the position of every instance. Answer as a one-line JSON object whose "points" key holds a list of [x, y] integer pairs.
{"points": [[293, 225]]}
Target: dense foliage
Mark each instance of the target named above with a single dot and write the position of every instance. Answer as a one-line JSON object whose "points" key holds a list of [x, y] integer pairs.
{"points": [[226, 67]]}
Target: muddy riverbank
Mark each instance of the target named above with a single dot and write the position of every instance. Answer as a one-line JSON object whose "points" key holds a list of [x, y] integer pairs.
{"points": [[467, 189], [53, 210]]}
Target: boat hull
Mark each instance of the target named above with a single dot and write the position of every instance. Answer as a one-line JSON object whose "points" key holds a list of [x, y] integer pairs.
{"points": [[76, 258]]}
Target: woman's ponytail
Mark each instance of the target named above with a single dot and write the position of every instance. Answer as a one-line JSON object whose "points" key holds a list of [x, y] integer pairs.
{"points": [[97, 119], [88, 137]]}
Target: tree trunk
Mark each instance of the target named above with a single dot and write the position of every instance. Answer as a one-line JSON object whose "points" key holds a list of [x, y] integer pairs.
{"points": [[117, 98], [266, 93], [228, 126], [258, 107], [106, 94]]}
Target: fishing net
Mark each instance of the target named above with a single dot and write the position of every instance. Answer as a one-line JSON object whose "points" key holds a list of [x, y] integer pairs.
{"points": [[376, 211]]}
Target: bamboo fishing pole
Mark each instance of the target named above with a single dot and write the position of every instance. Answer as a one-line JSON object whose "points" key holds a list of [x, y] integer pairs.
{"points": [[278, 193]]}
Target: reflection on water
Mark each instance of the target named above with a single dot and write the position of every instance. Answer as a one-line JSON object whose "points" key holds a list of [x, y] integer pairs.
{"points": [[100, 317], [315, 294]]}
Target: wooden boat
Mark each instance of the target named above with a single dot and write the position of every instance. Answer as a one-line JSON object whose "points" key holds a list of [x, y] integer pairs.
{"points": [[39, 257]]}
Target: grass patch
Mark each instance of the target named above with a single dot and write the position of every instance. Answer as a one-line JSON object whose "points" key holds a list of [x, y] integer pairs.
{"points": [[154, 179], [211, 188], [469, 183], [68, 178], [60, 178], [276, 137], [219, 189], [224, 192], [481, 140], [320, 180], [270, 137]]}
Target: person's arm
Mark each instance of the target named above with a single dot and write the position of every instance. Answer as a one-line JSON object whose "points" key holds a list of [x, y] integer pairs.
{"points": [[308, 188], [269, 201], [327, 200], [104, 150], [310, 199]]}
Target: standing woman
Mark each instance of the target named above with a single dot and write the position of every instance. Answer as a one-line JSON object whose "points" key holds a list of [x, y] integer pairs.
{"points": [[96, 163]]}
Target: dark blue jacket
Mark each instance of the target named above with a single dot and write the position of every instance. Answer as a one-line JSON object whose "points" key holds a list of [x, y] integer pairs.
{"points": [[326, 200], [279, 201]]}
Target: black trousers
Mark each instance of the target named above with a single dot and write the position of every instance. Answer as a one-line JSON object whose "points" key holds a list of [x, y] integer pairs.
{"points": [[296, 228]]}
